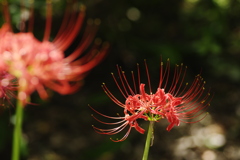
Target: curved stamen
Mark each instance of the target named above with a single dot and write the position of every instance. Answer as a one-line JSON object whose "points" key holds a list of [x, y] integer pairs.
{"points": [[48, 20]]}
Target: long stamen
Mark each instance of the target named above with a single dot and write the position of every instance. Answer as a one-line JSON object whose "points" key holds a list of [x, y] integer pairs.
{"points": [[31, 18], [121, 73], [126, 81], [167, 72], [86, 40], [116, 82], [110, 95], [134, 83], [161, 74], [164, 75], [181, 82], [48, 20], [139, 76], [6, 13], [64, 23], [104, 114], [67, 36], [148, 77], [96, 60], [124, 137]]}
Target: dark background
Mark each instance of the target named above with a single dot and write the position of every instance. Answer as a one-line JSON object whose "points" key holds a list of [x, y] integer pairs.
{"points": [[202, 34]]}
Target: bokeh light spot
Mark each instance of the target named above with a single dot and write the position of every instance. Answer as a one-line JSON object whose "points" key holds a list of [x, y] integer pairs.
{"points": [[209, 155], [133, 14]]}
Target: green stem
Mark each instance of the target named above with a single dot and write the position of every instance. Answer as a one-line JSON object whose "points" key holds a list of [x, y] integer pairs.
{"points": [[17, 134], [148, 140]]}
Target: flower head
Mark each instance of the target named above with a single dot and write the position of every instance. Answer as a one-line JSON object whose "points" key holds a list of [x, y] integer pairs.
{"points": [[173, 100], [40, 64]]}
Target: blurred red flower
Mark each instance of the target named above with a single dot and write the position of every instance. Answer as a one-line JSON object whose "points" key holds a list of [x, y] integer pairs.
{"points": [[40, 64]]}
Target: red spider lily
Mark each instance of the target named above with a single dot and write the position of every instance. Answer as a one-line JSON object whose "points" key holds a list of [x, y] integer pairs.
{"points": [[173, 100], [40, 64]]}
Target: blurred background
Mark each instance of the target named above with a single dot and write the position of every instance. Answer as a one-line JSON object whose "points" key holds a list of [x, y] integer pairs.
{"points": [[202, 34]]}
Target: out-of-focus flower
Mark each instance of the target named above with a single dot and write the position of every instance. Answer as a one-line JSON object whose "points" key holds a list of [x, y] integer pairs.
{"points": [[40, 64], [173, 100]]}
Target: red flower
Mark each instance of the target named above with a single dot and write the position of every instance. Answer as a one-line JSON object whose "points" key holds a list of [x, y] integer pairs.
{"points": [[40, 64], [173, 100]]}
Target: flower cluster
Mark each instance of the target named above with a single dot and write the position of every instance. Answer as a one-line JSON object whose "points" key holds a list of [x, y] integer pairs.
{"points": [[40, 64], [173, 100]]}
